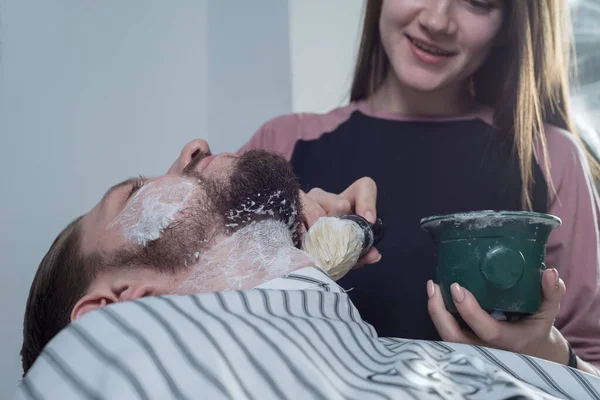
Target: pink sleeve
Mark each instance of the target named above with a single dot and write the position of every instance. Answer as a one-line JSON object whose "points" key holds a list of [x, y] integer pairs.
{"points": [[279, 134], [574, 248]]}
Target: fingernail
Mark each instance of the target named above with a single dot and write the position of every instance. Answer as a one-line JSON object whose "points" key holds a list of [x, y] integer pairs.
{"points": [[370, 216], [430, 289], [554, 272], [457, 293]]}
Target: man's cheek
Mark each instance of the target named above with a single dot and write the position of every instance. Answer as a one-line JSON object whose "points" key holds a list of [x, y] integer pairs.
{"points": [[152, 210]]}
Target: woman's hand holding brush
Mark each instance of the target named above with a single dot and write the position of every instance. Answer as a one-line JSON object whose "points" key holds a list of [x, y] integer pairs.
{"points": [[359, 198]]}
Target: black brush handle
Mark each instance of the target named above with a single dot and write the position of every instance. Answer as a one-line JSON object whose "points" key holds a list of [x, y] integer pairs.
{"points": [[378, 230], [373, 233]]}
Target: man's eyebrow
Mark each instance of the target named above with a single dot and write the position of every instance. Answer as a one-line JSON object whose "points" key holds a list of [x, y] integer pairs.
{"points": [[126, 182]]}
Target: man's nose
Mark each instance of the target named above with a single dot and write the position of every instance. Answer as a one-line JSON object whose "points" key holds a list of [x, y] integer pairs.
{"points": [[187, 154], [437, 17]]}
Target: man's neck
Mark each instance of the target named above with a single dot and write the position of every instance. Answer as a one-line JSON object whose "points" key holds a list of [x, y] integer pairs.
{"points": [[251, 256]]}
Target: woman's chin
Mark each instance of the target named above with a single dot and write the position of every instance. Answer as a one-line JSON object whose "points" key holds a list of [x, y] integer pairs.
{"points": [[424, 83]]}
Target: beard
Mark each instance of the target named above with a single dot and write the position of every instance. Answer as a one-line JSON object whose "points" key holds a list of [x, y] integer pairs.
{"points": [[260, 186], [263, 186]]}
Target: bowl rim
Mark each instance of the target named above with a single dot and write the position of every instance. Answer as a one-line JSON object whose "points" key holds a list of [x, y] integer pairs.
{"points": [[472, 216]]}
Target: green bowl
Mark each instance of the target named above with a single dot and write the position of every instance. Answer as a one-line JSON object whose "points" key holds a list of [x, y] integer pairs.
{"points": [[497, 255]]}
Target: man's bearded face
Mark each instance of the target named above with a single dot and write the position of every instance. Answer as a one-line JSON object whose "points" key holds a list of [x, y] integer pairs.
{"points": [[187, 211]]}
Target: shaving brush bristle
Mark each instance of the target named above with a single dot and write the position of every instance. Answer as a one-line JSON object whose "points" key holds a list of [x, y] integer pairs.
{"points": [[335, 244]]}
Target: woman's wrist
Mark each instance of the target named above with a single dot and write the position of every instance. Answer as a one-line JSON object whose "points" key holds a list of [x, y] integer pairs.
{"points": [[558, 348], [558, 351]]}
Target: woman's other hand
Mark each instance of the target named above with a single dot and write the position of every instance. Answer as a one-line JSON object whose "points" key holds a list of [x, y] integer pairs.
{"points": [[359, 198], [535, 335]]}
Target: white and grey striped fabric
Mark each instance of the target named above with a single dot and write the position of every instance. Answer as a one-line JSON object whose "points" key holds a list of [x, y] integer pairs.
{"points": [[297, 337]]}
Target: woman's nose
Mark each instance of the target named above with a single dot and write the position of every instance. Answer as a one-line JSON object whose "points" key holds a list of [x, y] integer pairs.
{"points": [[437, 17], [187, 154]]}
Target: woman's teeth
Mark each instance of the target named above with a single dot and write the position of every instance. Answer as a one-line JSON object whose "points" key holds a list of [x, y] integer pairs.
{"points": [[430, 49]]}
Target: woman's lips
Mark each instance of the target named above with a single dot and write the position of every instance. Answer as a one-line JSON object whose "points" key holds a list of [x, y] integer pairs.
{"points": [[430, 47], [428, 52]]}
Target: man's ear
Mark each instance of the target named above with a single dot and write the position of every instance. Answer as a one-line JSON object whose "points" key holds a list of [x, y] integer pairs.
{"points": [[132, 292], [92, 301], [99, 298]]}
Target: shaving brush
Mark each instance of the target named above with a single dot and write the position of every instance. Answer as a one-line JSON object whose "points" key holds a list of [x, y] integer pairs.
{"points": [[336, 243]]}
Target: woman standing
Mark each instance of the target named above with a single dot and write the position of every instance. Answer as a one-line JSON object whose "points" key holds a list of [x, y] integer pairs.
{"points": [[457, 105]]}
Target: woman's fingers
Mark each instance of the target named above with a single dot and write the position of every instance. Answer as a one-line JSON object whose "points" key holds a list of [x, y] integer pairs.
{"points": [[527, 336], [553, 289], [311, 210], [373, 256], [334, 205], [444, 322], [359, 198], [318, 203], [362, 196], [486, 327]]}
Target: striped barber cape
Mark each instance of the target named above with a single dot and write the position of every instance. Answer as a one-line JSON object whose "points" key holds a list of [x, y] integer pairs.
{"points": [[296, 337]]}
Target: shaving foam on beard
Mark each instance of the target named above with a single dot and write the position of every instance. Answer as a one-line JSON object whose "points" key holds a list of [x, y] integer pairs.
{"points": [[256, 253], [336, 244], [152, 209], [262, 204]]}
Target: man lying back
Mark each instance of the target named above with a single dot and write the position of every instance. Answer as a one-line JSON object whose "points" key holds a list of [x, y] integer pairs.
{"points": [[183, 232], [273, 326]]}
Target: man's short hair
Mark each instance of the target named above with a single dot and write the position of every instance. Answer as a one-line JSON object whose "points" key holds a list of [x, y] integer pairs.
{"points": [[62, 278]]}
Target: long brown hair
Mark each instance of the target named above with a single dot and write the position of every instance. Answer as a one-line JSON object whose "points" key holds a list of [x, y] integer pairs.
{"points": [[525, 78]]}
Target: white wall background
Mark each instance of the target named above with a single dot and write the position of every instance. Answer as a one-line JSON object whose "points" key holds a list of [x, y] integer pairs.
{"points": [[324, 39], [249, 68], [92, 92]]}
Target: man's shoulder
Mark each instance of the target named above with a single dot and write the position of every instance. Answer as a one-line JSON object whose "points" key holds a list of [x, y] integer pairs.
{"points": [[117, 327]]}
